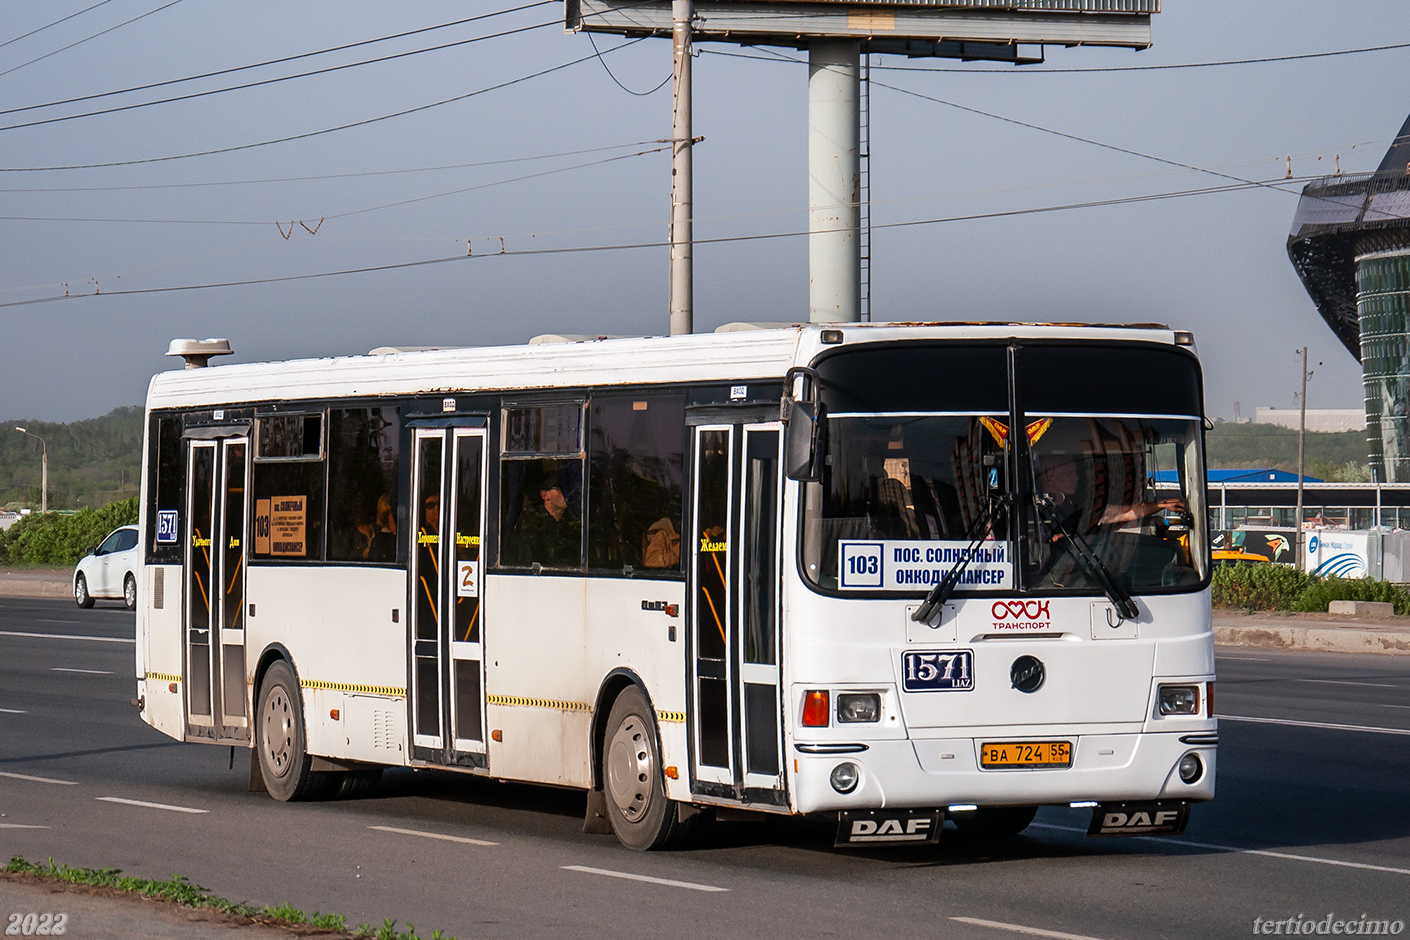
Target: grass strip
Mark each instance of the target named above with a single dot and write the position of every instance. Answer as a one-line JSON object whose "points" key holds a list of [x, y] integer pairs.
{"points": [[181, 890]]}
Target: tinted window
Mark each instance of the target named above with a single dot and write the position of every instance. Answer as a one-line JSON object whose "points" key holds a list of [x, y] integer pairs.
{"points": [[364, 458], [126, 539], [541, 486], [917, 377], [635, 454], [165, 495], [1147, 380], [288, 510], [289, 437]]}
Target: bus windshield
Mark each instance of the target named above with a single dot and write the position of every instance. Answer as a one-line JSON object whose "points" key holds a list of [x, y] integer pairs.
{"points": [[1102, 482]]}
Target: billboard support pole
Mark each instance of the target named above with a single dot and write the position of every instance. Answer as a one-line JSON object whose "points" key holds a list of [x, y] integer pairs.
{"points": [[682, 197], [834, 181]]}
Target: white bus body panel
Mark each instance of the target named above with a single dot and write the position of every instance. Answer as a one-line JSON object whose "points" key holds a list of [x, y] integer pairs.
{"points": [[159, 651], [336, 624], [621, 635], [539, 698]]}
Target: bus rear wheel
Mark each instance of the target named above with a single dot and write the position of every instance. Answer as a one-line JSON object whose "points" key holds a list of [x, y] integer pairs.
{"points": [[284, 761], [995, 820], [637, 807]]}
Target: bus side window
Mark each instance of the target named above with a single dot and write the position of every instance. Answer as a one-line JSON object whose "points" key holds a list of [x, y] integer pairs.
{"points": [[288, 481], [164, 495], [636, 460], [364, 456], [541, 486]]}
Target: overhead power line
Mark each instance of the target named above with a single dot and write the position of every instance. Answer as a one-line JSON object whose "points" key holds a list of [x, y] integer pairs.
{"points": [[104, 32], [63, 19], [278, 61], [584, 249], [276, 80], [325, 176], [326, 130]]}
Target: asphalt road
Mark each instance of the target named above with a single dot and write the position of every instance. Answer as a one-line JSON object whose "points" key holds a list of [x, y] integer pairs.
{"points": [[1312, 818]]}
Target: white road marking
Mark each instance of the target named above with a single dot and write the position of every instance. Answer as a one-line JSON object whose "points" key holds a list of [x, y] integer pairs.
{"points": [[1244, 659], [174, 809], [68, 636], [1238, 851], [1019, 928], [1314, 724], [18, 826], [1364, 685], [646, 878], [59, 621], [67, 783], [87, 672], [13, 711], [432, 835]]}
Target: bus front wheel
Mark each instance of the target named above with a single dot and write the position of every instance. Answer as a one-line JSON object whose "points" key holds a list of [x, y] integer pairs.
{"points": [[283, 756], [641, 815]]}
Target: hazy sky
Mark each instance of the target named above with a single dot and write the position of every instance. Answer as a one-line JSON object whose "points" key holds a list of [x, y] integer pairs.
{"points": [[421, 186]]}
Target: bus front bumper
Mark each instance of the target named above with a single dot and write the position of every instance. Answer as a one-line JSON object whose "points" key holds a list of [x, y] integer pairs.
{"points": [[938, 773]]}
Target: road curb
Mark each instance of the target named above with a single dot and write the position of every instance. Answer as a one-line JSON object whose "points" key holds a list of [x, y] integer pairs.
{"points": [[24, 583], [1321, 636]]}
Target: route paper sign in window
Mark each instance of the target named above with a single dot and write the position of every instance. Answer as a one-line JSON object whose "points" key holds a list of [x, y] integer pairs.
{"points": [[889, 565], [281, 526]]}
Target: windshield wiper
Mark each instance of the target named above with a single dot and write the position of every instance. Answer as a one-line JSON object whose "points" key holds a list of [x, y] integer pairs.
{"points": [[994, 510], [1087, 558]]}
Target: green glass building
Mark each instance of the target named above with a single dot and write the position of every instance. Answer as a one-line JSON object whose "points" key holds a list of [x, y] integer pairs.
{"points": [[1350, 244]]}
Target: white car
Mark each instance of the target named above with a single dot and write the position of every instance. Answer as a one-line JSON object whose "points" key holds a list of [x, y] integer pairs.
{"points": [[109, 570]]}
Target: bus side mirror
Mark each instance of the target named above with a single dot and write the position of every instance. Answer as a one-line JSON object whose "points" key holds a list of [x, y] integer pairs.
{"points": [[805, 442]]}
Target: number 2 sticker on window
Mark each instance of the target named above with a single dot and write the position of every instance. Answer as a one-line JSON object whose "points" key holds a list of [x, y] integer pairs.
{"points": [[467, 579]]}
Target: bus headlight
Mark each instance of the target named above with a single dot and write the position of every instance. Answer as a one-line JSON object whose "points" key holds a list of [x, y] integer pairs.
{"points": [[1191, 768], [1179, 700], [858, 706], [845, 777]]}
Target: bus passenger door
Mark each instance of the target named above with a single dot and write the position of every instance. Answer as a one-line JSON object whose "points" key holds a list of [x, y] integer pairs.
{"points": [[447, 684], [217, 506], [734, 571]]}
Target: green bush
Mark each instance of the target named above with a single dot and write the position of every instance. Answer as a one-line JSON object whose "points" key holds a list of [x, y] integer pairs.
{"points": [[62, 538], [1320, 593], [1258, 587]]}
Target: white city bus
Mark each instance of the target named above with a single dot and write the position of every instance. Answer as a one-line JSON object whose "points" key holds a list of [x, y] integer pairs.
{"points": [[896, 573]]}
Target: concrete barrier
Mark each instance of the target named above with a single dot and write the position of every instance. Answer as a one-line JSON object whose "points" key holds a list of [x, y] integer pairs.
{"points": [[36, 582]]}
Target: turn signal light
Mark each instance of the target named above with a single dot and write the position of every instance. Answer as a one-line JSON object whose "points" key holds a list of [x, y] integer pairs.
{"points": [[673, 773], [1209, 698], [815, 708], [496, 735], [335, 714]]}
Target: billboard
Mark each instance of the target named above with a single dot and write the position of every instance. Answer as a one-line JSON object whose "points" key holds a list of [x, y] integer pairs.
{"points": [[953, 29]]}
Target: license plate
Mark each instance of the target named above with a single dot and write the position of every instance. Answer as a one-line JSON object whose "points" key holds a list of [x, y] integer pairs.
{"points": [[1026, 754], [868, 827], [937, 670]]}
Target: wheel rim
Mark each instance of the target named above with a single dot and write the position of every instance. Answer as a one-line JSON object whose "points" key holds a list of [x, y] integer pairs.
{"points": [[277, 731], [631, 768], [80, 589], [129, 592]]}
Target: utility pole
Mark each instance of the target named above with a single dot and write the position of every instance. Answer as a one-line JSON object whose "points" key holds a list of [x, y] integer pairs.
{"points": [[1301, 450], [43, 470], [834, 180], [682, 196]]}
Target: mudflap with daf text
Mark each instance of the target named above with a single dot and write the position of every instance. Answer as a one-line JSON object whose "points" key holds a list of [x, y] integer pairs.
{"points": [[1145, 818], [866, 828]]}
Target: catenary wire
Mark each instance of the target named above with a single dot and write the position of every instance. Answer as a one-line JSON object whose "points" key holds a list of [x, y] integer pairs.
{"points": [[276, 80], [326, 130], [584, 249], [325, 176], [606, 68], [16, 68], [64, 19], [278, 61]]}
